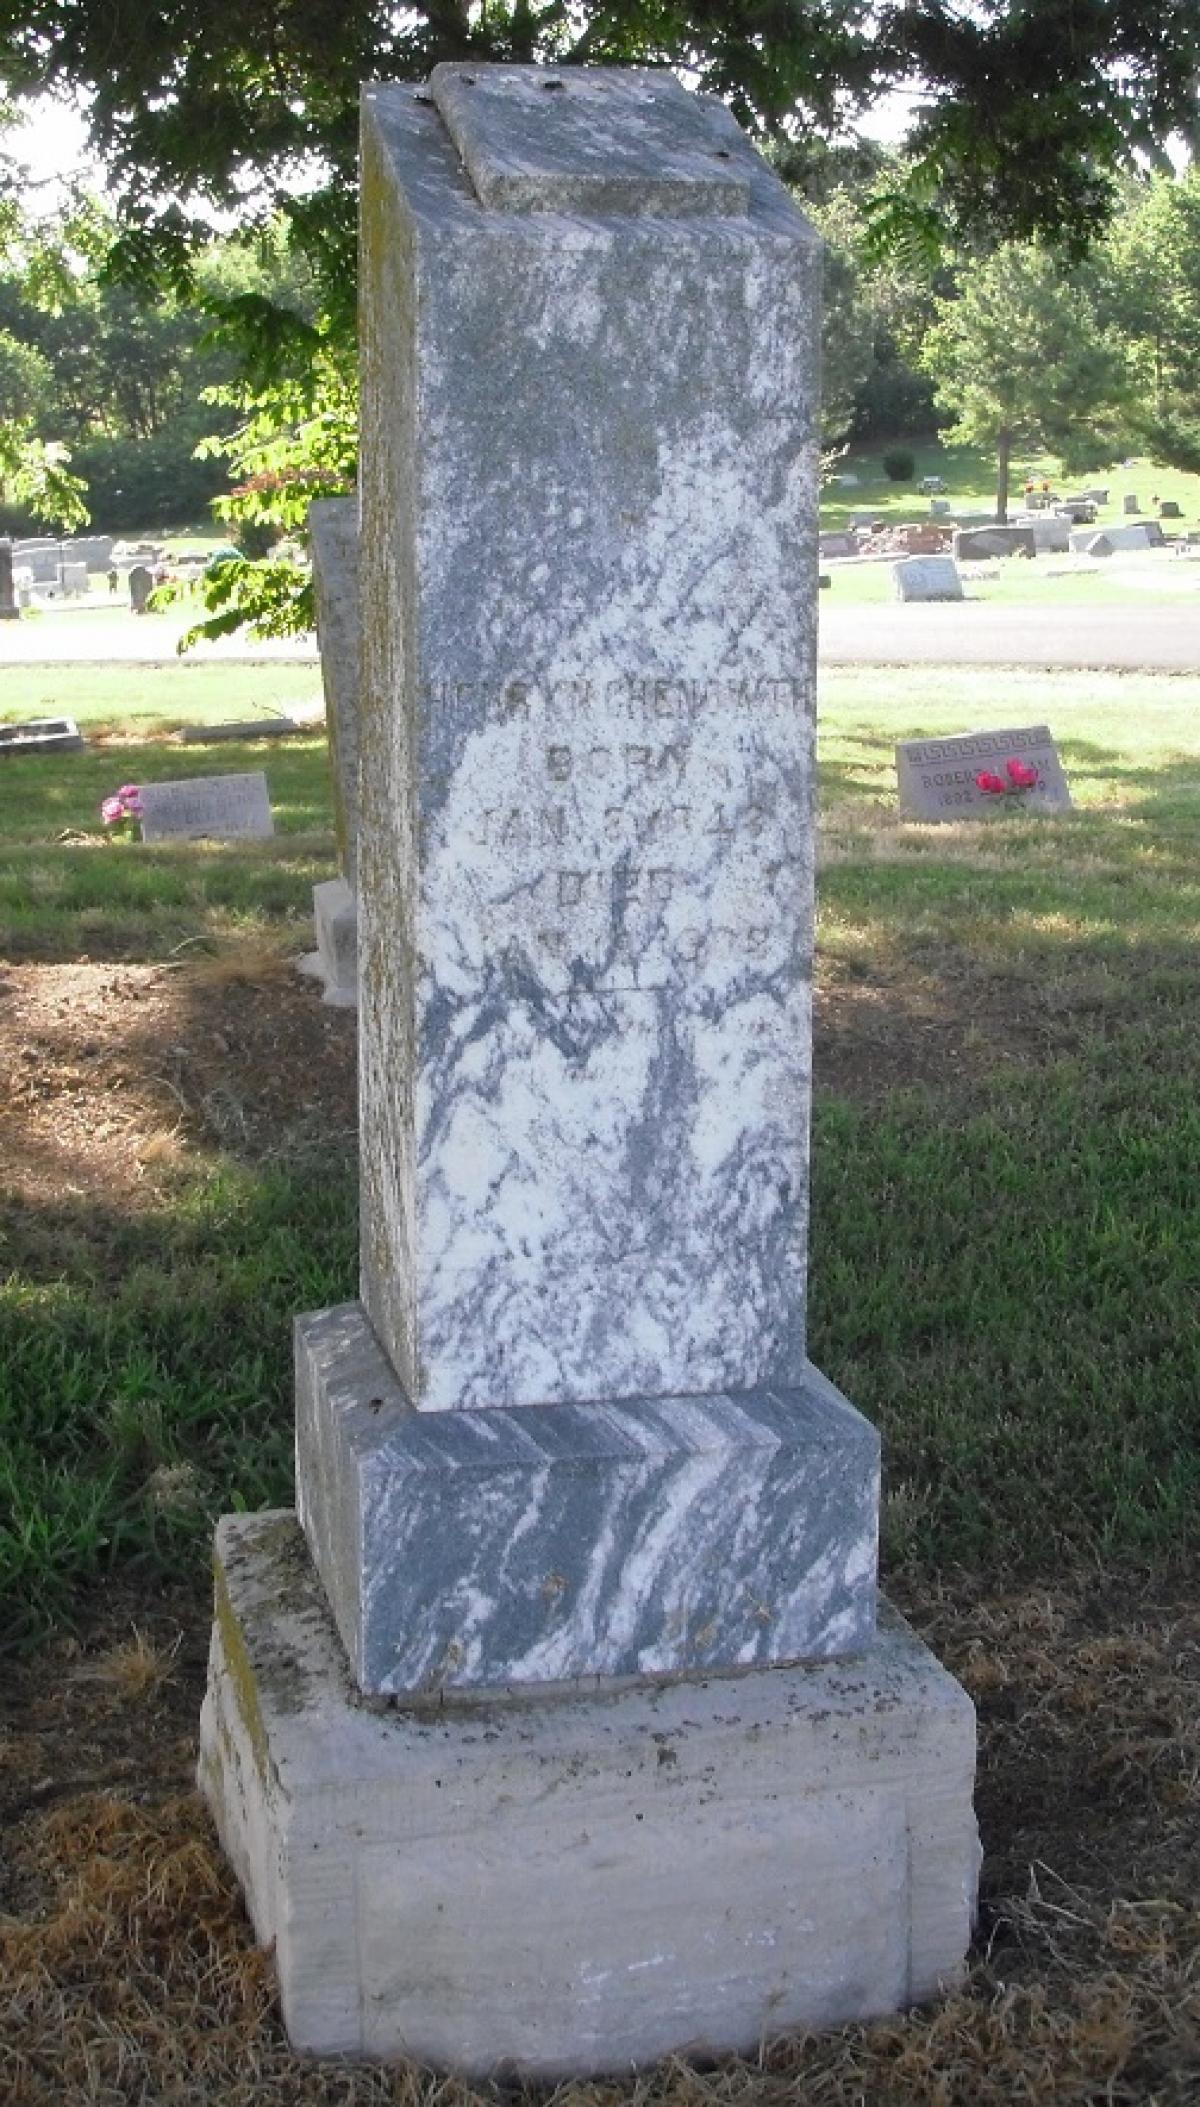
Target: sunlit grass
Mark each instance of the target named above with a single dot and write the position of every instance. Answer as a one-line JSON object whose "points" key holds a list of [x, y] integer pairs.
{"points": [[1005, 1262]]}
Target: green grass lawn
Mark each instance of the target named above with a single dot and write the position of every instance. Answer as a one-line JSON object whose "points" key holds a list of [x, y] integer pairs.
{"points": [[970, 477], [1005, 1257], [156, 698], [1014, 581]]}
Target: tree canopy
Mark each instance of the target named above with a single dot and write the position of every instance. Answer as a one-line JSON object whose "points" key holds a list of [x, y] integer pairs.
{"points": [[1028, 106], [1021, 360]]}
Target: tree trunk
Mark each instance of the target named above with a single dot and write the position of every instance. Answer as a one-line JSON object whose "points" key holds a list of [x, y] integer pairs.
{"points": [[1003, 450]]}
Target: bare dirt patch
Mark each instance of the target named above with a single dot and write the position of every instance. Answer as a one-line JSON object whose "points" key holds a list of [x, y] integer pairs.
{"points": [[128, 1972], [114, 1071]]}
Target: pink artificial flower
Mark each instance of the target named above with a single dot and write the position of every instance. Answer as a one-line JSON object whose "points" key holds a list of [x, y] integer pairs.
{"points": [[131, 792], [993, 784], [1022, 774], [111, 811]]}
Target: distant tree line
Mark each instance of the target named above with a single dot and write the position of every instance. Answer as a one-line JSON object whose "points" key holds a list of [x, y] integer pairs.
{"points": [[1017, 346], [129, 380]]}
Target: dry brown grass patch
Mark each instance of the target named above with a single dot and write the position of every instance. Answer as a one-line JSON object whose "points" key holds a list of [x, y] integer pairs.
{"points": [[133, 1974]]}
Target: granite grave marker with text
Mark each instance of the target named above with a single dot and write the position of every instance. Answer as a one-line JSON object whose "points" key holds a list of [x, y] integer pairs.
{"points": [[940, 778], [214, 808]]}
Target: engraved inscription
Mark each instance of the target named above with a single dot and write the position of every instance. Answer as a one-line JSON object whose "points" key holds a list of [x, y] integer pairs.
{"points": [[623, 833]]}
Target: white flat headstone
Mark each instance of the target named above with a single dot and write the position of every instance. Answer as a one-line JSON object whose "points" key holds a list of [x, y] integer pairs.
{"points": [[927, 578], [212, 808], [940, 778]]}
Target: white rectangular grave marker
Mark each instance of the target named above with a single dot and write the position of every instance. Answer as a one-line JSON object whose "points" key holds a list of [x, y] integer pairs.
{"points": [[207, 808], [976, 775], [927, 578]]}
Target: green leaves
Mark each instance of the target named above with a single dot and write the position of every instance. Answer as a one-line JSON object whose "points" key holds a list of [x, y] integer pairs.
{"points": [[34, 473]]}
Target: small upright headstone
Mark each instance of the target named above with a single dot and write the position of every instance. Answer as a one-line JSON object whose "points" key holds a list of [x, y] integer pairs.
{"points": [[1169, 509], [9, 611], [1130, 503], [207, 808], [1135, 534], [939, 507], [141, 585], [1051, 534], [976, 775], [976, 544], [927, 578]]}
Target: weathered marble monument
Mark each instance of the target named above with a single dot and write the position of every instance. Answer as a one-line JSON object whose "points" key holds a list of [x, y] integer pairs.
{"points": [[333, 537], [560, 1729]]}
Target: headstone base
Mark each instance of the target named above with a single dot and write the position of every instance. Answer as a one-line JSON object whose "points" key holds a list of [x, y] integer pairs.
{"points": [[582, 1880], [335, 960], [534, 1543]]}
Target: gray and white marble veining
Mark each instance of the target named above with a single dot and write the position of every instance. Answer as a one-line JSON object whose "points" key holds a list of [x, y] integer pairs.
{"points": [[606, 1539], [588, 566]]}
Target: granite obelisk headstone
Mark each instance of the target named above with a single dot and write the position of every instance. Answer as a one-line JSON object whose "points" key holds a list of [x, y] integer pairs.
{"points": [[333, 537], [569, 1443]]}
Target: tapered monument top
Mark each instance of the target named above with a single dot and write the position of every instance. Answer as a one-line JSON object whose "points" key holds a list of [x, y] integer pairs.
{"points": [[625, 139]]}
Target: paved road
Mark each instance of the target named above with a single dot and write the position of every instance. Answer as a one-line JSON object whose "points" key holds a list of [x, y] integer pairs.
{"points": [[1157, 638], [1154, 639], [112, 635]]}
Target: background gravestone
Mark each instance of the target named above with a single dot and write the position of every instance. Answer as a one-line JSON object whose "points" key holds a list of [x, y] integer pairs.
{"points": [[141, 585], [41, 735], [927, 578], [214, 808], [937, 777], [972, 544], [569, 1441]]}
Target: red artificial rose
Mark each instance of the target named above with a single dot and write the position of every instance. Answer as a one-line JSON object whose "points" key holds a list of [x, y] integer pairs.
{"points": [[993, 784], [1022, 774]]}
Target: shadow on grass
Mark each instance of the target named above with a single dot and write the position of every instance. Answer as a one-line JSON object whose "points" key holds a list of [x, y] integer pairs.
{"points": [[145, 1371], [181, 1150]]}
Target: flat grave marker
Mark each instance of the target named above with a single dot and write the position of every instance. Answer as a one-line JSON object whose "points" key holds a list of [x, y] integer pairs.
{"points": [[208, 808], [939, 778], [41, 735]]}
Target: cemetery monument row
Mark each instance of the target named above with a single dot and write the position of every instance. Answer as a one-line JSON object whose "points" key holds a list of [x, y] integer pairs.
{"points": [[562, 1727]]}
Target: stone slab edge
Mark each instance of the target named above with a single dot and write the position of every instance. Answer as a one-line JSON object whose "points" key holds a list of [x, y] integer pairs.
{"points": [[533, 1544], [335, 961], [571, 1883]]}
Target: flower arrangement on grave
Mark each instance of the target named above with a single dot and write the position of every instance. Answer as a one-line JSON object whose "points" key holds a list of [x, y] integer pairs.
{"points": [[122, 813], [1019, 777]]}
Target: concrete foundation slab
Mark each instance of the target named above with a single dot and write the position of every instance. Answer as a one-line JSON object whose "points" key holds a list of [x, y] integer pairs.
{"points": [[589, 1878]]}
